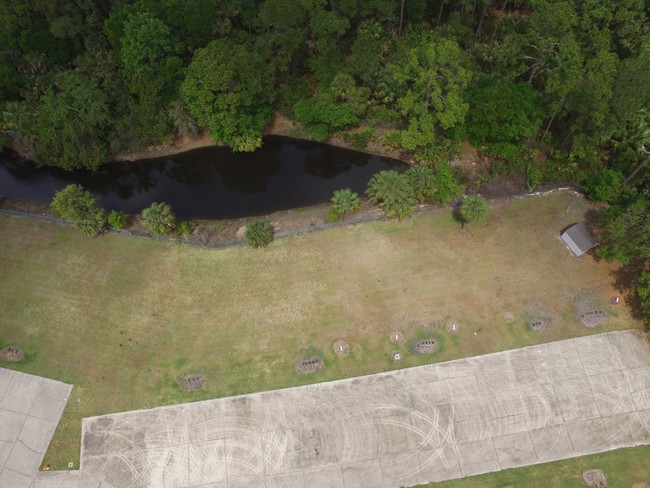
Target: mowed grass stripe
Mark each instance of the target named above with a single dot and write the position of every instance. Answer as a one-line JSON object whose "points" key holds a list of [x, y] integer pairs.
{"points": [[123, 318]]}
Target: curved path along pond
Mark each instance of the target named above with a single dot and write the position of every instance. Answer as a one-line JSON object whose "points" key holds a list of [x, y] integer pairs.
{"points": [[430, 423], [211, 182]]}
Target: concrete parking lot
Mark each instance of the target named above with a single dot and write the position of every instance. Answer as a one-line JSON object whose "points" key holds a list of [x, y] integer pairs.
{"points": [[30, 408], [418, 425]]}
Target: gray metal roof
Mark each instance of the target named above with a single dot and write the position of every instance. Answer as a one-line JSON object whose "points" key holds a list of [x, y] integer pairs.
{"points": [[579, 239]]}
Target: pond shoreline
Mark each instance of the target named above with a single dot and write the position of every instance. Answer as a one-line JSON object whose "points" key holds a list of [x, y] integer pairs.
{"points": [[281, 126], [219, 234]]}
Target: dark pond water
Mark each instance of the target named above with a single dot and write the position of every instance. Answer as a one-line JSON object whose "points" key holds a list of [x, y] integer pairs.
{"points": [[209, 182]]}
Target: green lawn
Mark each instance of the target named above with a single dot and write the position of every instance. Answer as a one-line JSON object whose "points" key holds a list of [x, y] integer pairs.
{"points": [[625, 468], [122, 318]]}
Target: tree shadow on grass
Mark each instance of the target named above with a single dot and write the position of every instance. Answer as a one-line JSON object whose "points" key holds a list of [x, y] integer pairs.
{"points": [[593, 219], [456, 213], [625, 279]]}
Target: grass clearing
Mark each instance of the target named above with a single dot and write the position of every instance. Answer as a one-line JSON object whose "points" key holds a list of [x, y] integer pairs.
{"points": [[122, 319], [623, 468]]}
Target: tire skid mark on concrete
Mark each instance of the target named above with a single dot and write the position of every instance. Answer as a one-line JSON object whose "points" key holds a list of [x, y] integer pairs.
{"points": [[400, 428]]}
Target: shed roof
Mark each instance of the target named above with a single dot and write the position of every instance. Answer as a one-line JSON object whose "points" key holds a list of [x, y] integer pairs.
{"points": [[579, 239]]}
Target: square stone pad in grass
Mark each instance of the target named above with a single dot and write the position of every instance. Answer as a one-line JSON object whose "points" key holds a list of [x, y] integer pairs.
{"points": [[30, 408]]}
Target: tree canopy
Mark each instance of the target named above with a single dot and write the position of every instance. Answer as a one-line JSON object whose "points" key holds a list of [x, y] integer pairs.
{"points": [[565, 78], [229, 91], [77, 204]]}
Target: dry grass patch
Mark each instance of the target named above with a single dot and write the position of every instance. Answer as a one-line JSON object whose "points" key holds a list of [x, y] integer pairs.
{"points": [[122, 319]]}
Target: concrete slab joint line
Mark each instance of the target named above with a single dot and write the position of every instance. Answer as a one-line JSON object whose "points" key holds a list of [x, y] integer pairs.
{"points": [[401, 428], [30, 408]]}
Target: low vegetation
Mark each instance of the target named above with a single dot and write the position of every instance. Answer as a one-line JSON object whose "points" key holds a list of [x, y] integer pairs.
{"points": [[398, 193], [622, 468], [473, 208], [258, 233], [159, 218], [343, 202], [391, 191], [423, 183], [123, 318], [78, 205], [117, 220]]}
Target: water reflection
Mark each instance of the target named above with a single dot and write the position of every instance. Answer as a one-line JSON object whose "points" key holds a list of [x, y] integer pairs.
{"points": [[209, 182]]}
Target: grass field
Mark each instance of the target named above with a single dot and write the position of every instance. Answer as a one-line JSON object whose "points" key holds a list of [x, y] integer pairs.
{"points": [[624, 468], [123, 318]]}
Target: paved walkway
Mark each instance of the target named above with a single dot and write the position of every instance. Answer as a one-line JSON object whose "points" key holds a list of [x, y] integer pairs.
{"points": [[30, 408], [418, 425]]}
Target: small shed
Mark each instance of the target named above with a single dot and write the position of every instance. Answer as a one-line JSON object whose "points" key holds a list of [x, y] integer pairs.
{"points": [[579, 239]]}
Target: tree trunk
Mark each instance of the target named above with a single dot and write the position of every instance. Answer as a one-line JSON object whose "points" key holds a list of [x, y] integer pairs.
{"points": [[442, 4], [638, 168], [566, 139], [496, 27], [533, 72], [401, 19], [552, 119], [480, 23]]}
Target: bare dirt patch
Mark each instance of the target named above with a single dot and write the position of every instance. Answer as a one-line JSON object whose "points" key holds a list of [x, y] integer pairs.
{"points": [[470, 162], [537, 317], [180, 145], [428, 346], [396, 337], [593, 318], [191, 382], [11, 354], [341, 348], [538, 325], [590, 299], [452, 327], [595, 478], [283, 126], [309, 365]]}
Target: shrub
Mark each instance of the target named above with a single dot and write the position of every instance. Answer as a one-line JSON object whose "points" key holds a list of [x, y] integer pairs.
{"points": [[392, 192], [78, 205], [359, 139], [534, 176], [117, 220], [422, 181], [343, 201], [159, 218], [186, 228], [506, 151], [447, 187], [604, 186], [323, 115], [259, 233]]}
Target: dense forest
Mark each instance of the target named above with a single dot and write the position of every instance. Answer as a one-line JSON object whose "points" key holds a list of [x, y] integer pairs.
{"points": [[551, 89]]}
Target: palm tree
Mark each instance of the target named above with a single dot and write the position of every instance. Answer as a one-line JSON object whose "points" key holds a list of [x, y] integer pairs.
{"points": [[473, 208], [423, 183], [392, 192], [159, 218], [343, 201]]}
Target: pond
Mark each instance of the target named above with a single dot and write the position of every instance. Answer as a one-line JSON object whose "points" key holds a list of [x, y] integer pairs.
{"points": [[211, 182]]}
